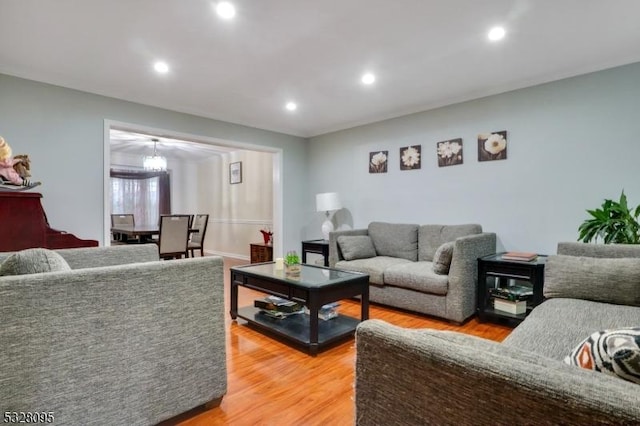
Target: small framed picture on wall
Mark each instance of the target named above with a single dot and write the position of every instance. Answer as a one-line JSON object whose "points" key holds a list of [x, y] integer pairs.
{"points": [[378, 161], [235, 172]]}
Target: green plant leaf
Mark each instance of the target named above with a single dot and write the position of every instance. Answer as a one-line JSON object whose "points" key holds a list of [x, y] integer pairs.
{"points": [[613, 222]]}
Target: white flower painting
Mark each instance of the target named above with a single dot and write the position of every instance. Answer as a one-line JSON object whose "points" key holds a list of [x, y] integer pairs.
{"points": [[410, 157], [450, 152], [492, 146], [378, 161]]}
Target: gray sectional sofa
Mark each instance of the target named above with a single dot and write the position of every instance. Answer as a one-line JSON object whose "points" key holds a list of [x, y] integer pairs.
{"points": [[117, 337], [440, 377], [430, 269]]}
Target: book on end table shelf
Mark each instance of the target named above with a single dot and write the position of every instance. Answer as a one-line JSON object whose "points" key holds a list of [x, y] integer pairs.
{"points": [[511, 307], [513, 293], [519, 255]]}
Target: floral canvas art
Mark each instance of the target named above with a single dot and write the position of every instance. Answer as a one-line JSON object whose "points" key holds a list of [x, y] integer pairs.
{"points": [[410, 157], [378, 161], [492, 146], [450, 152]]}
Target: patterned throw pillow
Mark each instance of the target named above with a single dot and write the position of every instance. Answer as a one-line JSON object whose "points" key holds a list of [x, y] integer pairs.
{"points": [[613, 352]]}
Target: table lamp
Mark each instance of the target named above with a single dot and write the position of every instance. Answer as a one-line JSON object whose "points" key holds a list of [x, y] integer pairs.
{"points": [[327, 202]]}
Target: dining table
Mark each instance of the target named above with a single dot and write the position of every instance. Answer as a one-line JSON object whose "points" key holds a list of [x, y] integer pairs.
{"points": [[141, 233]]}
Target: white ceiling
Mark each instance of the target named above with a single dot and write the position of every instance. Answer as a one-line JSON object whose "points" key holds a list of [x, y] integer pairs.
{"points": [[141, 144], [425, 53]]}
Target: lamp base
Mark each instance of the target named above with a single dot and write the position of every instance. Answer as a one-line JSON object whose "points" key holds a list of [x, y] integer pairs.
{"points": [[327, 226]]}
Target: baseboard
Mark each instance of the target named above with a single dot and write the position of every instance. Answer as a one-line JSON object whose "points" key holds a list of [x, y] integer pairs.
{"points": [[225, 254]]}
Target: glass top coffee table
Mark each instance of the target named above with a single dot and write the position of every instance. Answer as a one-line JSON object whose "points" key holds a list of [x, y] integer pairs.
{"points": [[314, 287]]}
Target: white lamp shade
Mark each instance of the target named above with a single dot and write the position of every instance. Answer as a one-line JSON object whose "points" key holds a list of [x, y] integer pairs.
{"points": [[328, 201]]}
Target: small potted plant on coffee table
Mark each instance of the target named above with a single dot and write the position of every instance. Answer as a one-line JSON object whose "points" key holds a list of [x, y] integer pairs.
{"points": [[292, 264]]}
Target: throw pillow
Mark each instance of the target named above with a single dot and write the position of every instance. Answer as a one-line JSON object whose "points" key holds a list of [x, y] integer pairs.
{"points": [[589, 278], [613, 352], [356, 247], [33, 261], [442, 258], [395, 239]]}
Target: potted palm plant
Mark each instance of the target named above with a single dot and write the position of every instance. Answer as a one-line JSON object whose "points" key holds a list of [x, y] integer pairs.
{"points": [[614, 222]]}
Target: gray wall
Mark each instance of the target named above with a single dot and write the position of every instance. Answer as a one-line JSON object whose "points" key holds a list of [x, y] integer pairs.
{"points": [[63, 129], [571, 143]]}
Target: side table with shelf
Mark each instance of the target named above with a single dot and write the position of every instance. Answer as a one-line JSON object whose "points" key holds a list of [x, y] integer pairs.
{"points": [[261, 253], [494, 271], [316, 246]]}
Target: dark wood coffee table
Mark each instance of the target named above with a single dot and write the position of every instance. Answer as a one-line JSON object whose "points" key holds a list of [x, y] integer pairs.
{"points": [[315, 287]]}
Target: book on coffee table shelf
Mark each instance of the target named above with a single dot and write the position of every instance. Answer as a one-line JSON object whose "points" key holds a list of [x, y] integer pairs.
{"points": [[513, 293], [326, 312], [509, 306], [274, 303], [519, 255], [279, 314]]}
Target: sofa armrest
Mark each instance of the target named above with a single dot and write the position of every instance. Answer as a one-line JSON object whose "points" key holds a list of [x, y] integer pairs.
{"points": [[406, 376], [335, 255], [463, 274]]}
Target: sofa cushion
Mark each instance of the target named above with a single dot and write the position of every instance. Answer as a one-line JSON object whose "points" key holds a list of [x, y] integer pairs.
{"points": [[395, 239], [571, 321], [376, 267], [613, 352], [442, 258], [430, 237], [356, 247], [417, 276], [33, 261], [589, 278]]}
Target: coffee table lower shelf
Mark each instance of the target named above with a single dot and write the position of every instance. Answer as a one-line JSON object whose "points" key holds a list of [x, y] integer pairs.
{"points": [[295, 328]]}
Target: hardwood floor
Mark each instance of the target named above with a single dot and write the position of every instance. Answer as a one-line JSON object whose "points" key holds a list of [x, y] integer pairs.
{"points": [[270, 383]]}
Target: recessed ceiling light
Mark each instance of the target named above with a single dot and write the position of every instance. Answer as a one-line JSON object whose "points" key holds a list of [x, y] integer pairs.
{"points": [[496, 33], [161, 67], [225, 10], [291, 106], [368, 78]]}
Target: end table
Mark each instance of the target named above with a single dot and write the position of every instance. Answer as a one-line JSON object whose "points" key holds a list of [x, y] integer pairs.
{"points": [[318, 247], [494, 271]]}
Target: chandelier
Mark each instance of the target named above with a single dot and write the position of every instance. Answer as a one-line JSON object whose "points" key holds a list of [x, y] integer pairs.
{"points": [[154, 162]]}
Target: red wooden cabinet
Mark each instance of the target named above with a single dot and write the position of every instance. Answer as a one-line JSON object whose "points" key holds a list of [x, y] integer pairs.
{"points": [[23, 224]]}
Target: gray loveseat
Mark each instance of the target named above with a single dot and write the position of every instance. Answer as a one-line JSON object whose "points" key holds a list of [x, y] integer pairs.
{"points": [[401, 261], [121, 339], [440, 377]]}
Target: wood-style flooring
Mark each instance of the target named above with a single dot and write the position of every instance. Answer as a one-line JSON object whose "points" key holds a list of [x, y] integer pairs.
{"points": [[271, 383]]}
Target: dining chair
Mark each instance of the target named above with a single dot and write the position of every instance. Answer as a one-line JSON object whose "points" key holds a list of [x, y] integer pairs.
{"points": [[174, 236], [197, 238], [121, 219]]}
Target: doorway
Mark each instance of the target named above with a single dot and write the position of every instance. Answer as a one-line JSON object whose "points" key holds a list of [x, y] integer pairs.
{"points": [[194, 189]]}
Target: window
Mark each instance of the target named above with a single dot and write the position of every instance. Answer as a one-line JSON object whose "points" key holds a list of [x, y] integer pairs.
{"points": [[145, 194]]}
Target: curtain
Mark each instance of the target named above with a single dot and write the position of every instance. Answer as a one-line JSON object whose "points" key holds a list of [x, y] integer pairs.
{"points": [[144, 194]]}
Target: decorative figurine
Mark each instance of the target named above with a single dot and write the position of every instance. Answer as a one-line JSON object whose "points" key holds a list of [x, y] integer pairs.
{"points": [[14, 171]]}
